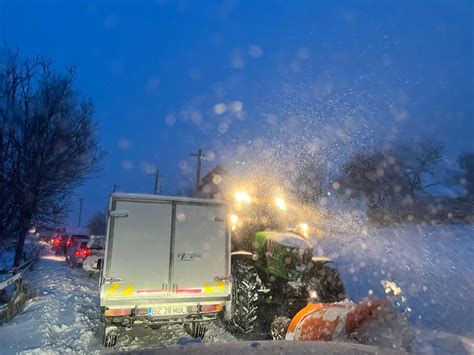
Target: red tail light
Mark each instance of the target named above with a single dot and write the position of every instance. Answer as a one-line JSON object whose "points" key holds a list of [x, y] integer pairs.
{"points": [[57, 241], [212, 308], [77, 253], [86, 252], [118, 312], [68, 243]]}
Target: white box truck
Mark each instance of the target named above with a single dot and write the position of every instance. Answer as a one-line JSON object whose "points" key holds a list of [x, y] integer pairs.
{"points": [[167, 259]]}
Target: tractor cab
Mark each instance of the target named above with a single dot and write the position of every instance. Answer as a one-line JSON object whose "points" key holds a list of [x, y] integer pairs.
{"points": [[284, 254]]}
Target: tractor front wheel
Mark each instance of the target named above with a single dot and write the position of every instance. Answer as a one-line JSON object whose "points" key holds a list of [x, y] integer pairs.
{"points": [[328, 283]]}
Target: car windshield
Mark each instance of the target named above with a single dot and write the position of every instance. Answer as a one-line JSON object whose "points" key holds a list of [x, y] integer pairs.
{"points": [[237, 176], [78, 236], [96, 243]]}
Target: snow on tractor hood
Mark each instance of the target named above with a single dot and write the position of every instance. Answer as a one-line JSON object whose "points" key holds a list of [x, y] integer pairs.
{"points": [[289, 239]]}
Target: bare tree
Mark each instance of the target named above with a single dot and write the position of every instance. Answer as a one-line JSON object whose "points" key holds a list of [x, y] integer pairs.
{"points": [[421, 159], [376, 176], [390, 180], [48, 144], [97, 224]]}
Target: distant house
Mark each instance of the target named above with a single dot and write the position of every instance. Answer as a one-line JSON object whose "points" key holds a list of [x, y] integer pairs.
{"points": [[215, 183]]}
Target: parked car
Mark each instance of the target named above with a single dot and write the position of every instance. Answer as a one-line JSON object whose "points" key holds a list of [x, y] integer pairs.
{"points": [[70, 240], [96, 246], [47, 233], [77, 252], [58, 242]]}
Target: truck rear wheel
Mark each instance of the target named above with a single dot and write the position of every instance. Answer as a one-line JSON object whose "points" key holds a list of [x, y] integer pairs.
{"points": [[245, 297], [110, 336], [196, 330]]}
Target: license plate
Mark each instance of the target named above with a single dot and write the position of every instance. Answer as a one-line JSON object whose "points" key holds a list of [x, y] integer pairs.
{"points": [[167, 311]]}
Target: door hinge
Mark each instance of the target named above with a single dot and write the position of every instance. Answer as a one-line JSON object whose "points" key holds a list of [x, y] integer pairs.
{"points": [[118, 214], [109, 280]]}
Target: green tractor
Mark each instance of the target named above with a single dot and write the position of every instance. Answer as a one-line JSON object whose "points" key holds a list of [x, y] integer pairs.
{"points": [[274, 275]]}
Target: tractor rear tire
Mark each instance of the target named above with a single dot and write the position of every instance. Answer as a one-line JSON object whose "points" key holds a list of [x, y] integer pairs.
{"points": [[245, 297]]}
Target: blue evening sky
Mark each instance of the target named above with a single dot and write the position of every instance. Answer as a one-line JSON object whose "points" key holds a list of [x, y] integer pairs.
{"points": [[231, 77]]}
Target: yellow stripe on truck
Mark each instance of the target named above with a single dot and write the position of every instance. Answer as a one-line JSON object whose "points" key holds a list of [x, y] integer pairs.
{"points": [[208, 288], [120, 289], [211, 287], [128, 291], [113, 288], [220, 285]]}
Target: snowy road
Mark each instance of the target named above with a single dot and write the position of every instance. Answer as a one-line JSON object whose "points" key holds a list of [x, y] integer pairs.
{"points": [[64, 317], [61, 317], [434, 266]]}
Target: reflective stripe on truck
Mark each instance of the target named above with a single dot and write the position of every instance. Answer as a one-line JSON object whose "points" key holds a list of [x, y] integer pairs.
{"points": [[179, 290], [209, 287], [120, 289]]}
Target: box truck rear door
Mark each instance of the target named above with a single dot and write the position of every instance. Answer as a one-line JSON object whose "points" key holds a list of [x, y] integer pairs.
{"points": [[139, 250], [200, 250]]}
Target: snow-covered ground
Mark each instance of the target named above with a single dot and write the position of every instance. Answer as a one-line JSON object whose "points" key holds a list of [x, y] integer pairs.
{"points": [[434, 267], [64, 316]]}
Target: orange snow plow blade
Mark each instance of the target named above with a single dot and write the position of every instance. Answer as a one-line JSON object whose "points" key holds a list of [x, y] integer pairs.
{"points": [[327, 321]]}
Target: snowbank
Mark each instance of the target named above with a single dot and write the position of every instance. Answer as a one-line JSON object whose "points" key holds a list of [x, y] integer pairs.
{"points": [[63, 317]]}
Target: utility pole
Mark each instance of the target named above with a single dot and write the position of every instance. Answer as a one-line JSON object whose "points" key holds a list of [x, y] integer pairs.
{"points": [[80, 213], [200, 156], [155, 186], [115, 187]]}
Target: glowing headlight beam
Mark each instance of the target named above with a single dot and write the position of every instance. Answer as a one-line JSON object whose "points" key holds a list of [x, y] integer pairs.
{"points": [[234, 219], [242, 197], [304, 229], [280, 203]]}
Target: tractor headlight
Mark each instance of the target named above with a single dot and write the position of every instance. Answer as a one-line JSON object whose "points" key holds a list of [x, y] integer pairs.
{"points": [[313, 295], [242, 197], [281, 204]]}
